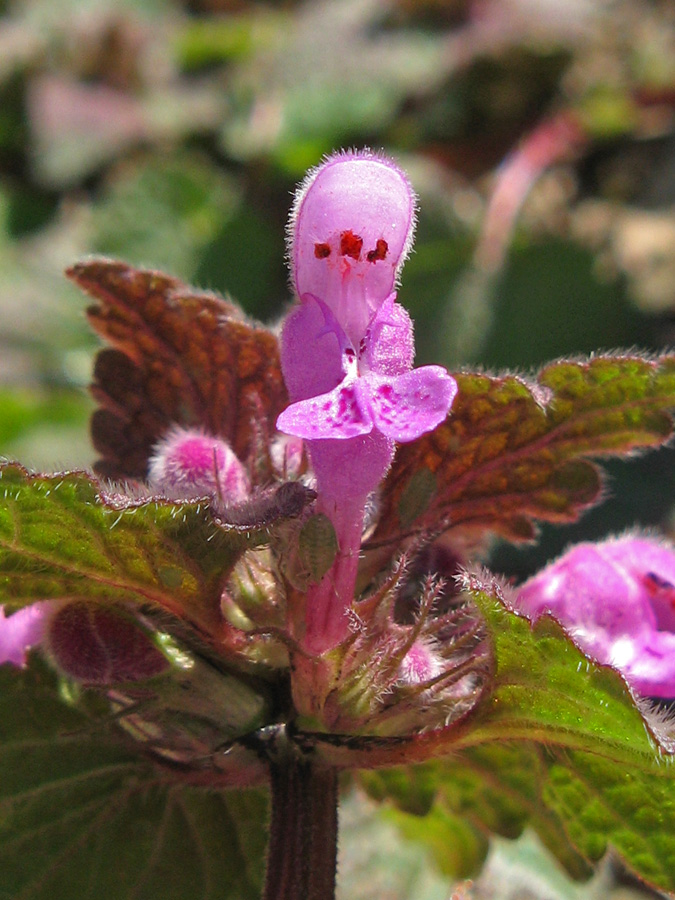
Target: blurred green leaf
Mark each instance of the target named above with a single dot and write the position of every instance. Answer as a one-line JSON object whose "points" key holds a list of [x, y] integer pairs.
{"points": [[166, 210], [22, 411], [549, 303], [208, 41], [80, 816]]}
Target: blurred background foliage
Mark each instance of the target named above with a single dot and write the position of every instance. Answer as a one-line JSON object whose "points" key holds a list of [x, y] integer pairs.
{"points": [[540, 136]]}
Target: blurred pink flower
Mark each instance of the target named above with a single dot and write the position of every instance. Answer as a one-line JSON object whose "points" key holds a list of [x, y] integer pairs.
{"points": [[617, 600], [22, 630]]}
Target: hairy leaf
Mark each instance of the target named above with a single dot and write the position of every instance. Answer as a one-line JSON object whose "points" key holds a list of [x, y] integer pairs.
{"points": [[494, 789], [180, 357], [512, 452], [58, 539], [559, 744], [81, 816]]}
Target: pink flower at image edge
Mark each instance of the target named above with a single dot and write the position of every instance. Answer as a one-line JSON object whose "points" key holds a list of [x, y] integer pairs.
{"points": [[22, 630], [616, 599]]}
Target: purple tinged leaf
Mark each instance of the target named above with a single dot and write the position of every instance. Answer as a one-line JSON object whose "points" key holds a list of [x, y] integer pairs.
{"points": [[97, 645], [617, 599]]}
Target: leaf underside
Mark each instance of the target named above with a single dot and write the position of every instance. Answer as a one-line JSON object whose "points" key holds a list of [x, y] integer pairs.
{"points": [[559, 745], [179, 357], [514, 452], [82, 817]]}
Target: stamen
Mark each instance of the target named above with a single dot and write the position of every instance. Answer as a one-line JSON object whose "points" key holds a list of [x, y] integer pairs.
{"points": [[351, 244], [380, 251]]}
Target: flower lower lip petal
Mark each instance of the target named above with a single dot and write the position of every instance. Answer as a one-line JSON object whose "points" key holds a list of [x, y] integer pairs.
{"points": [[409, 405], [337, 414]]}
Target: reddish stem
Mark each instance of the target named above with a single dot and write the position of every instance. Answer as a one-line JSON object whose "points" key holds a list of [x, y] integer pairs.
{"points": [[302, 853]]}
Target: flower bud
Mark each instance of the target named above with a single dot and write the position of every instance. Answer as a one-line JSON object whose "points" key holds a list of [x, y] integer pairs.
{"points": [[420, 664], [187, 464]]}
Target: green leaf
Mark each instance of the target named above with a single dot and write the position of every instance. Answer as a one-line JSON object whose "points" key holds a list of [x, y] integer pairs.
{"points": [[80, 816], [512, 452], [59, 539], [557, 743]]}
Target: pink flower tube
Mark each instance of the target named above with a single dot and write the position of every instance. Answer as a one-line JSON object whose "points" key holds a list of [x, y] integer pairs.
{"points": [[617, 600]]}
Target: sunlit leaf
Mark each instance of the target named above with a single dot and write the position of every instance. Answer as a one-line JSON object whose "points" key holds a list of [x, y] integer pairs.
{"points": [[514, 452], [58, 539], [558, 744]]}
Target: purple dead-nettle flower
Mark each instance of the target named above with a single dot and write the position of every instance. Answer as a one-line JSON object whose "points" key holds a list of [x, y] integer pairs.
{"points": [[347, 354], [23, 630], [617, 599]]}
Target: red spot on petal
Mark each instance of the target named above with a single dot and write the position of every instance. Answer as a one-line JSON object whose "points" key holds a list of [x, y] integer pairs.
{"points": [[321, 250], [350, 244], [380, 251], [655, 583]]}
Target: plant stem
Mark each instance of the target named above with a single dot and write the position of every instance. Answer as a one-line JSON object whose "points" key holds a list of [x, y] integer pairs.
{"points": [[302, 853]]}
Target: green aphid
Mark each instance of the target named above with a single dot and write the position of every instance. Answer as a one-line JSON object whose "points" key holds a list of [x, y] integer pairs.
{"points": [[317, 546]]}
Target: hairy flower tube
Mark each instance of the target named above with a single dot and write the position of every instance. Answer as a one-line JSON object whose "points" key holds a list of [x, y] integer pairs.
{"points": [[617, 599], [347, 355]]}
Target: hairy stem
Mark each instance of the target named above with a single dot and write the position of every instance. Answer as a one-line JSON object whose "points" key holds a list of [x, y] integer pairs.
{"points": [[302, 853]]}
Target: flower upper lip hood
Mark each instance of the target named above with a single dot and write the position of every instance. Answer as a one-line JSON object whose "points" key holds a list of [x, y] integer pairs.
{"points": [[350, 231]]}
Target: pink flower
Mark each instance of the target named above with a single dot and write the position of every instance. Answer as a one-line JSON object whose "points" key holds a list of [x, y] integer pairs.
{"points": [[617, 600], [22, 630], [350, 231], [347, 354]]}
